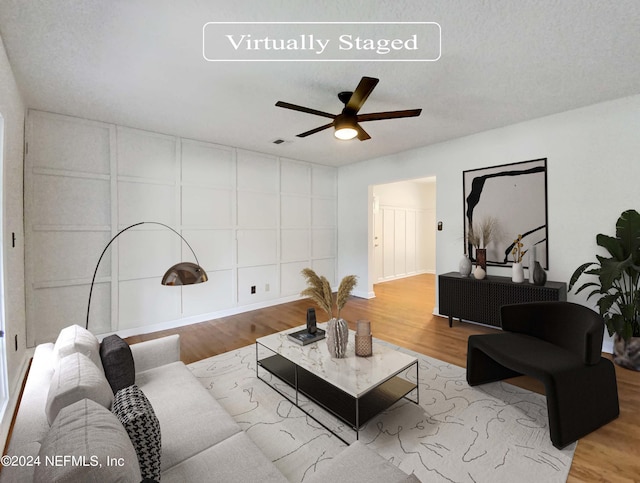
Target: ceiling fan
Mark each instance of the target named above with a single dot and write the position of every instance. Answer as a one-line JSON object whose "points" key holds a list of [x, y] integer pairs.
{"points": [[346, 124]]}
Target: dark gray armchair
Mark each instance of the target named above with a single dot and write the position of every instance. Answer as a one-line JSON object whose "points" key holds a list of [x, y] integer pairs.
{"points": [[560, 344]]}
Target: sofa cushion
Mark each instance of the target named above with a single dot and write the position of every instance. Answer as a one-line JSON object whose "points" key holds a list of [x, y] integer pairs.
{"points": [[117, 362], [360, 464], [236, 459], [135, 413], [191, 419], [89, 433], [76, 378], [74, 339]]}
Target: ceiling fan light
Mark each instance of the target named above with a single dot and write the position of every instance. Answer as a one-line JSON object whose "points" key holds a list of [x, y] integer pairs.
{"points": [[345, 133]]}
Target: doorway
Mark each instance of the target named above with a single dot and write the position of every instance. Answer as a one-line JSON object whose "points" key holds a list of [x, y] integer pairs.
{"points": [[404, 229]]}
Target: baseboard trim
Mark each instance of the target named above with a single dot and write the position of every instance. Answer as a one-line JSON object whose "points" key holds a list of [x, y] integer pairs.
{"points": [[406, 275], [195, 319], [364, 295]]}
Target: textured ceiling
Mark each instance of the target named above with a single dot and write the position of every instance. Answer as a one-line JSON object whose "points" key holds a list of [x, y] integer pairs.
{"points": [[140, 64]]}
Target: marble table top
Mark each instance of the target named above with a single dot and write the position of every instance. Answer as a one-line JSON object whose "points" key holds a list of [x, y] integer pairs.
{"points": [[353, 375]]}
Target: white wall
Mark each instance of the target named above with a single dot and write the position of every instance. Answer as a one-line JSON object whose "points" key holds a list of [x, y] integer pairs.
{"points": [[593, 173], [404, 225], [12, 110], [251, 218]]}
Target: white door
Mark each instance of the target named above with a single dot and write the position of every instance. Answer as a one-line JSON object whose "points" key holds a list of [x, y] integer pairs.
{"points": [[377, 245]]}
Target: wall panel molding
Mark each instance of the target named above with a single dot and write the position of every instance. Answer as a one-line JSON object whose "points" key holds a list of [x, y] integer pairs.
{"points": [[254, 220]]}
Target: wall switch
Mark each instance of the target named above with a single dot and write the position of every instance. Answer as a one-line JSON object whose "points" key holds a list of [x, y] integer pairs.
{"points": [[266, 287], [253, 289]]}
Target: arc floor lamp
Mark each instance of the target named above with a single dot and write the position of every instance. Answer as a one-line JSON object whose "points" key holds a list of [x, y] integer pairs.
{"points": [[183, 273]]}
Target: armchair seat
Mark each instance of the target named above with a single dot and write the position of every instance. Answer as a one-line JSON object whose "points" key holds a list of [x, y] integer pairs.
{"points": [[558, 343]]}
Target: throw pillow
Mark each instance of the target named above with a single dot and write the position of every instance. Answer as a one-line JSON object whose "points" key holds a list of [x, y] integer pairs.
{"points": [[94, 437], [74, 339], [117, 362], [136, 414], [76, 378]]}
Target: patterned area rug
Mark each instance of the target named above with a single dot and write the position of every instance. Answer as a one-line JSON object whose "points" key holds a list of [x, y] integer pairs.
{"points": [[492, 433]]}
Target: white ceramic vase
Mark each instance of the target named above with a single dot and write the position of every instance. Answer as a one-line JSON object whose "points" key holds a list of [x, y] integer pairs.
{"points": [[517, 273], [479, 273]]}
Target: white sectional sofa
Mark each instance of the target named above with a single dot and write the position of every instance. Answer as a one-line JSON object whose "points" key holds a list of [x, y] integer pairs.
{"points": [[200, 441]]}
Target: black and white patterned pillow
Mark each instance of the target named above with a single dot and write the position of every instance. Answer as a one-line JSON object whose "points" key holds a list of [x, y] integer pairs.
{"points": [[134, 411]]}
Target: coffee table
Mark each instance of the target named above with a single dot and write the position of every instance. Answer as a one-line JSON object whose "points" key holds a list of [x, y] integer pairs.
{"points": [[353, 389]]}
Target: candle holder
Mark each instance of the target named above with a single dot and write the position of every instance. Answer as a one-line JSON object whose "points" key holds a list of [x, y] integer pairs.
{"points": [[364, 343]]}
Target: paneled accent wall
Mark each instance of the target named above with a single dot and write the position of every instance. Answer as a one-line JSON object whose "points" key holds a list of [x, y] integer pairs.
{"points": [[254, 220]]}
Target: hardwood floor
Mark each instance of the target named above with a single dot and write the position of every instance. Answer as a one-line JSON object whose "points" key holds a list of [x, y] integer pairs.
{"points": [[401, 314]]}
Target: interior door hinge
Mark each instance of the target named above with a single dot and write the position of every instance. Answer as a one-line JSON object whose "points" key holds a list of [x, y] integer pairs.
{"points": [[1, 333]]}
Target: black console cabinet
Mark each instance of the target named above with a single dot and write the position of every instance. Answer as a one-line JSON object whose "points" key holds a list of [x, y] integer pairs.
{"points": [[480, 300]]}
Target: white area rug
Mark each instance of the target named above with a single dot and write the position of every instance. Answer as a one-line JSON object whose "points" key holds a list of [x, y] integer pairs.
{"points": [[491, 433]]}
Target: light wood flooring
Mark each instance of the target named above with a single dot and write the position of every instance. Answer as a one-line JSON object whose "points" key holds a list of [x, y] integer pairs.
{"points": [[401, 314]]}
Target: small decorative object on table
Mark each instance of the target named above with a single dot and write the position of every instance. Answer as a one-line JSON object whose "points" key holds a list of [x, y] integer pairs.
{"points": [[532, 262], [481, 258], [319, 290], [465, 266], [337, 337], [539, 275], [517, 272], [364, 343], [479, 236], [304, 337], [479, 273]]}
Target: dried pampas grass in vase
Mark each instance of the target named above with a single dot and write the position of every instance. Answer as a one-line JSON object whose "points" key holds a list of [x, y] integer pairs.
{"points": [[319, 290]]}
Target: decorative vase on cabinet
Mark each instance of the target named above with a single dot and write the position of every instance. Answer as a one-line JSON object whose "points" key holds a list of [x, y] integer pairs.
{"points": [[465, 266], [532, 262], [479, 273], [539, 275], [517, 273]]}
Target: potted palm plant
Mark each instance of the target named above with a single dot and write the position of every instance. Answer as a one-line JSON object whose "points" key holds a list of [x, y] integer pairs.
{"points": [[617, 287]]}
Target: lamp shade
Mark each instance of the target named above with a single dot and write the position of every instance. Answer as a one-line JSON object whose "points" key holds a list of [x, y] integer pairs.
{"points": [[184, 273]]}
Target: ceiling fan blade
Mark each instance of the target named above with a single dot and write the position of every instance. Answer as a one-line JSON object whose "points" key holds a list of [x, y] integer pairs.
{"points": [[365, 87], [308, 110], [313, 131], [362, 134], [377, 116]]}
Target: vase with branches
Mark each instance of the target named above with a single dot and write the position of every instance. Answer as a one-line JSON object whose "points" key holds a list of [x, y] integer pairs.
{"points": [[518, 253], [482, 233], [319, 290], [479, 236]]}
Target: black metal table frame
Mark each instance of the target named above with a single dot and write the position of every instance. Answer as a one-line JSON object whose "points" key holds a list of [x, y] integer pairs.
{"points": [[385, 394]]}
